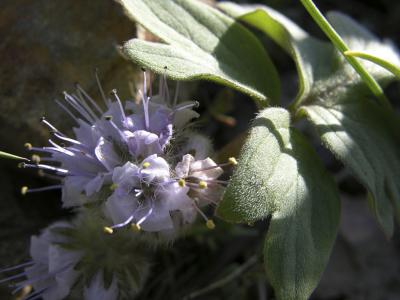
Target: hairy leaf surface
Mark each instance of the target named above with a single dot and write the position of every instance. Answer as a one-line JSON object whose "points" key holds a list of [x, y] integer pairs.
{"points": [[280, 175], [202, 43]]}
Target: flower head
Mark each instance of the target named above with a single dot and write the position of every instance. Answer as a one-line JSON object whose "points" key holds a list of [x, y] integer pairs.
{"points": [[123, 160], [105, 139], [51, 271]]}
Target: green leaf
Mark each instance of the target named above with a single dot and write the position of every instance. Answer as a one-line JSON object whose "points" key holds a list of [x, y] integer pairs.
{"points": [[306, 51], [202, 43], [365, 137], [280, 175], [359, 132], [377, 60]]}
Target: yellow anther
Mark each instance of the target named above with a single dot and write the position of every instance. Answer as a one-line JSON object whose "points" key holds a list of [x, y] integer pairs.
{"points": [[113, 187], [232, 161], [108, 230], [36, 158], [202, 184], [146, 165], [21, 165], [28, 146], [210, 224], [135, 227], [181, 182], [24, 190]]}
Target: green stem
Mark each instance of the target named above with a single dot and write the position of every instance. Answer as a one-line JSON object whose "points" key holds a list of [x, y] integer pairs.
{"points": [[379, 61], [342, 47]]}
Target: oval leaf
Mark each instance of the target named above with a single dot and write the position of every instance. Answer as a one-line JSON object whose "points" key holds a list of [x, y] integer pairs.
{"points": [[279, 174], [202, 43]]}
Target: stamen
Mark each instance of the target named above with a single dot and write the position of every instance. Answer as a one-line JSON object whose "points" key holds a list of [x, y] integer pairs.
{"points": [[203, 184], [26, 290], [67, 111], [135, 227], [48, 124], [193, 104], [61, 149], [182, 182], [17, 267], [37, 295], [145, 165], [10, 278], [103, 95], [41, 173], [232, 161], [116, 128], [79, 108], [28, 146], [44, 167], [114, 92], [113, 187], [145, 102], [146, 215], [216, 181], [108, 230], [90, 99], [80, 99], [66, 139], [126, 222], [138, 192], [200, 212], [210, 224], [36, 158], [25, 189]]}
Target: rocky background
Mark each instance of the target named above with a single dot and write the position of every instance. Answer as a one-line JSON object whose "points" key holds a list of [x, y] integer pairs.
{"points": [[47, 46]]}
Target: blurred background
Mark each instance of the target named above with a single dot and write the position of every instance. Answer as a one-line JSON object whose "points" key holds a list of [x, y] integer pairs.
{"points": [[47, 46]]}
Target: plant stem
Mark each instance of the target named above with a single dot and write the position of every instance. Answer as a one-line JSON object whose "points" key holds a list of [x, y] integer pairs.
{"points": [[379, 61], [327, 28]]}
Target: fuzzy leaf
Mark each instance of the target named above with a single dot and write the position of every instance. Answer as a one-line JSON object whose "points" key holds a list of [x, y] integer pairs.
{"points": [[281, 176], [334, 98], [202, 43], [306, 51]]}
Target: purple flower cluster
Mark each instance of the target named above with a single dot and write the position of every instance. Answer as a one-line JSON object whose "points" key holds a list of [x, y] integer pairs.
{"points": [[124, 149], [129, 162]]}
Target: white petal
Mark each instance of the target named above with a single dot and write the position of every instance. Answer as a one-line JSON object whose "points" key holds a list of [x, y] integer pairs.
{"points": [[159, 220], [182, 168], [119, 209], [213, 173], [94, 185], [72, 188], [158, 169], [105, 153]]}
